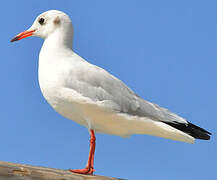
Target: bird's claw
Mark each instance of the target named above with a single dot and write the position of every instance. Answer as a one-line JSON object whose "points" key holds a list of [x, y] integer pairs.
{"points": [[87, 171]]}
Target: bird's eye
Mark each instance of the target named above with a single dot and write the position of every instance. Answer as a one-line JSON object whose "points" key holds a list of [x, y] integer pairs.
{"points": [[41, 21]]}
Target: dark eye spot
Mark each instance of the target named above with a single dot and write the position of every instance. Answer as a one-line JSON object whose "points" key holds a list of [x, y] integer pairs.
{"points": [[41, 21]]}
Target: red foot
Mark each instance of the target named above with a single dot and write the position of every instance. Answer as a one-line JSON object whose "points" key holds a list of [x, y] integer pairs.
{"points": [[89, 167], [88, 171]]}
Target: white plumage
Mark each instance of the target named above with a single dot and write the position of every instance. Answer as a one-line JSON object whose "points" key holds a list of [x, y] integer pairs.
{"points": [[94, 98], [91, 96]]}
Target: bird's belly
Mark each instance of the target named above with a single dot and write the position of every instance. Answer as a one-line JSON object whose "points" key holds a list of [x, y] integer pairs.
{"points": [[104, 121], [61, 105], [85, 113], [74, 106]]}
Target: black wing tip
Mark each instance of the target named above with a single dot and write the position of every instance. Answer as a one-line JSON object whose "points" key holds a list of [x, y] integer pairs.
{"points": [[191, 129], [199, 132]]}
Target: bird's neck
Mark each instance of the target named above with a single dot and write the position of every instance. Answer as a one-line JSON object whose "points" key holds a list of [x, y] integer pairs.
{"points": [[59, 40]]}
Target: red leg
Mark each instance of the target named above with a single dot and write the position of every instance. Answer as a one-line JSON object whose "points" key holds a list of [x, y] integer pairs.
{"points": [[89, 167]]}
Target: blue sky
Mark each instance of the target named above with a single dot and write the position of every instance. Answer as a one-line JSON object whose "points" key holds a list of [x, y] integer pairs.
{"points": [[166, 51]]}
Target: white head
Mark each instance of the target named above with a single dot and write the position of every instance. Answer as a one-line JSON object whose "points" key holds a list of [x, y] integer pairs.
{"points": [[48, 24]]}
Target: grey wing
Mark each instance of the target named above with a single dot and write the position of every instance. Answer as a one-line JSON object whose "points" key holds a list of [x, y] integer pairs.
{"points": [[100, 86]]}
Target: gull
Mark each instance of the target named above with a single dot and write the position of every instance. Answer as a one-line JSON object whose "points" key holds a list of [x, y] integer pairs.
{"points": [[94, 98]]}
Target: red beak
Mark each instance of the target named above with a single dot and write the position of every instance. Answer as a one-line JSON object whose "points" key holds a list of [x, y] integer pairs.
{"points": [[22, 35]]}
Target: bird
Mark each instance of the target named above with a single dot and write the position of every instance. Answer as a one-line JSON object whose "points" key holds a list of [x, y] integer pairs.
{"points": [[92, 97]]}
